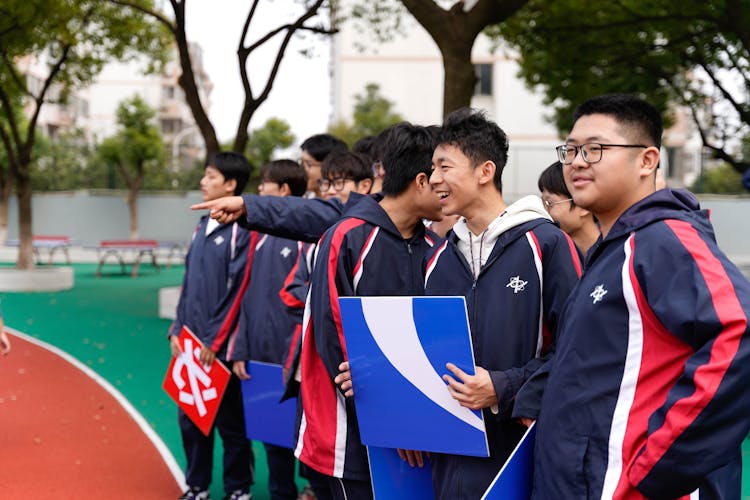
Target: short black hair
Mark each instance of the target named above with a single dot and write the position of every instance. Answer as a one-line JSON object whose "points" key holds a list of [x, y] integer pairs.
{"points": [[641, 122], [346, 164], [552, 180], [321, 145], [287, 172], [408, 152], [479, 138], [232, 166]]}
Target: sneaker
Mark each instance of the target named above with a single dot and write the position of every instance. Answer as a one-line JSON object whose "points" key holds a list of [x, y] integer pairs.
{"points": [[195, 493], [238, 495], [307, 494]]}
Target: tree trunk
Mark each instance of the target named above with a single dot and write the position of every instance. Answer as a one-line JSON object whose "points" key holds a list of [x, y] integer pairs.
{"points": [[187, 81], [5, 188], [133, 207], [23, 191], [460, 77]]}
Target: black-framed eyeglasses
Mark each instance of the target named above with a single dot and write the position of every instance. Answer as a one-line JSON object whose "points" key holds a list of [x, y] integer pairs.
{"points": [[591, 152], [337, 183], [549, 204]]}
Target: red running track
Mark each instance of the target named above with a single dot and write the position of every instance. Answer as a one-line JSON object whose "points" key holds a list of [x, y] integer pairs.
{"points": [[63, 435]]}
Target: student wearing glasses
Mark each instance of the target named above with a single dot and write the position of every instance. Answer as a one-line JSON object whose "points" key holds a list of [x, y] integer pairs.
{"points": [[343, 173], [578, 222], [647, 395], [314, 150]]}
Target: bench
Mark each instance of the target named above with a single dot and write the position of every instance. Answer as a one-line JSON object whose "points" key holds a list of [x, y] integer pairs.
{"points": [[50, 243], [127, 251]]}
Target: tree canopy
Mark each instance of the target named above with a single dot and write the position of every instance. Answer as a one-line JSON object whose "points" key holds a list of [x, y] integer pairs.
{"points": [[135, 151], [62, 44], [307, 17], [372, 114], [693, 53]]}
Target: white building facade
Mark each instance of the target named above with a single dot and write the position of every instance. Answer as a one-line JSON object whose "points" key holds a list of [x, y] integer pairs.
{"points": [[93, 108]]}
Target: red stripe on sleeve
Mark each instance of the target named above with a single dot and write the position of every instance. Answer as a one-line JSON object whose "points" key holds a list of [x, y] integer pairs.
{"points": [[287, 298], [229, 319], [708, 376], [333, 257]]}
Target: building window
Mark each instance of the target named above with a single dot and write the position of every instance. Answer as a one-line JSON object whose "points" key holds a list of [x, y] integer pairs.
{"points": [[484, 79], [167, 91], [170, 126]]}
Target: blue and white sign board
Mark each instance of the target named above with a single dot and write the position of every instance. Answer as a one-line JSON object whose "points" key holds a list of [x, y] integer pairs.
{"points": [[394, 479], [515, 478], [398, 348], [266, 419]]}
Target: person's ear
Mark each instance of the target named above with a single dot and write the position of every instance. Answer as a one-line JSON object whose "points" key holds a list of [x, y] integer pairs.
{"points": [[582, 212], [422, 181], [649, 161], [364, 186], [230, 185], [285, 190], [486, 172]]}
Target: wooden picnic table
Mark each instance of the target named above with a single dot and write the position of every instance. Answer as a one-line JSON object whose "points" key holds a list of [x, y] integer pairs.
{"points": [[127, 252]]}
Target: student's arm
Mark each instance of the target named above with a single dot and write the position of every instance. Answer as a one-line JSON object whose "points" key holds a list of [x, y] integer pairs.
{"points": [[4, 340], [174, 329], [294, 291], [226, 312], [694, 305], [331, 279], [562, 268], [288, 217]]}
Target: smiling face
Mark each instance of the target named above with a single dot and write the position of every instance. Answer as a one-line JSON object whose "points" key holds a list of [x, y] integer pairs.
{"points": [[454, 180], [622, 176]]}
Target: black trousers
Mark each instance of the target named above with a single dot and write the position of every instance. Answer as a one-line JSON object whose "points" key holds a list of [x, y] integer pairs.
{"points": [[349, 489], [238, 454], [281, 464]]}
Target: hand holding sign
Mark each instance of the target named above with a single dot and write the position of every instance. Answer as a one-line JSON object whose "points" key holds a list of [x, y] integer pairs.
{"points": [[197, 389]]}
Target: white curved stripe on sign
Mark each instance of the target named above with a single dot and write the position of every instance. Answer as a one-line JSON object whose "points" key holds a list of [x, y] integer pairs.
{"points": [[384, 316]]}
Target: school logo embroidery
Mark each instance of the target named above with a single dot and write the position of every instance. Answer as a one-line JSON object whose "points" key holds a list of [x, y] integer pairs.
{"points": [[219, 240], [598, 293], [285, 252], [517, 284]]}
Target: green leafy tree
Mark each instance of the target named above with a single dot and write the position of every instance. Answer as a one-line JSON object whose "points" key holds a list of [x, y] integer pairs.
{"points": [[73, 39], [66, 162], [136, 151], [694, 54], [719, 180], [275, 134], [372, 114]]}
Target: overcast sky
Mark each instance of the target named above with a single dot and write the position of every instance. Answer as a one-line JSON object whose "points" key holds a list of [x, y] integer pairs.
{"points": [[300, 94]]}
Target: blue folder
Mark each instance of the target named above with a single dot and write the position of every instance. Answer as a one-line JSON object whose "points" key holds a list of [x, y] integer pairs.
{"points": [[394, 479], [398, 348], [514, 480], [266, 419]]}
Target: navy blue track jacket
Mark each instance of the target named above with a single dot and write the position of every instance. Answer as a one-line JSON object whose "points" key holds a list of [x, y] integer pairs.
{"points": [[265, 326], [513, 306], [214, 269], [648, 393], [365, 255]]}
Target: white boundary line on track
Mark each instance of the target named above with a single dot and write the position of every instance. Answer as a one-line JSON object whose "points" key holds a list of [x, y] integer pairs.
{"points": [[166, 455]]}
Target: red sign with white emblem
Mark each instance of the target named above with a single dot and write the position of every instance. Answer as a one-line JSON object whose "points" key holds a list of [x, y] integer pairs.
{"points": [[196, 389]]}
